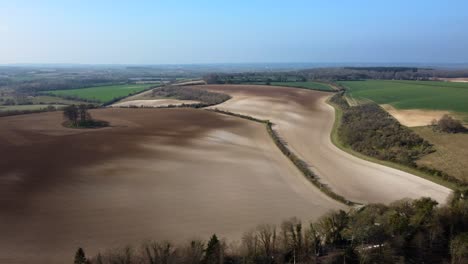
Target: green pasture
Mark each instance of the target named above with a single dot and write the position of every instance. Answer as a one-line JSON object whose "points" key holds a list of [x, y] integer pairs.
{"points": [[432, 95], [103, 93]]}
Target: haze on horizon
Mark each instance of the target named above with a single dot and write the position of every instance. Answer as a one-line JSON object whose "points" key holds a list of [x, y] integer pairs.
{"points": [[170, 32]]}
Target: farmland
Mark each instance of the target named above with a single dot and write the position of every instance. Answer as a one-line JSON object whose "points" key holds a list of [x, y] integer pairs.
{"points": [[306, 85], [102, 93], [428, 95], [28, 107], [451, 155], [304, 121], [215, 173], [191, 173]]}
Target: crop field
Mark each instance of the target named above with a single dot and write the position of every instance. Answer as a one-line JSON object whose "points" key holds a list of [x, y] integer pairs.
{"points": [[103, 93], [191, 173], [306, 85], [429, 95], [303, 119]]}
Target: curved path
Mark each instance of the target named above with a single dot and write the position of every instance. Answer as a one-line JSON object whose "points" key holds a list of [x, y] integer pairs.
{"points": [[305, 120]]}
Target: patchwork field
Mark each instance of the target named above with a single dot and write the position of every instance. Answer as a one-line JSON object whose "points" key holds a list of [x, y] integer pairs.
{"points": [[183, 173], [103, 93], [424, 95], [154, 174], [304, 120]]}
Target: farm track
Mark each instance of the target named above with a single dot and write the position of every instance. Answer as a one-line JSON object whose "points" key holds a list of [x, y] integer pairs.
{"points": [[305, 120]]}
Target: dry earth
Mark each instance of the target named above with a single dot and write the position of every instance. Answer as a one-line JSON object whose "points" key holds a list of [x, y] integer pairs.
{"points": [[454, 79], [305, 120], [153, 103], [155, 174], [414, 117]]}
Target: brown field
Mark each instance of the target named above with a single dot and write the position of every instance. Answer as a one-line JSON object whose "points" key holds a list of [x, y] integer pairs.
{"points": [[414, 117], [451, 154], [153, 103], [154, 174], [305, 120]]}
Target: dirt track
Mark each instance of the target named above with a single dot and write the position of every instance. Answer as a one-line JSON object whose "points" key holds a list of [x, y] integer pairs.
{"points": [[305, 120], [155, 174]]}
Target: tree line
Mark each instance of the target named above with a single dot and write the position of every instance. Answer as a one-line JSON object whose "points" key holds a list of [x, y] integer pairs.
{"points": [[334, 74], [406, 231]]}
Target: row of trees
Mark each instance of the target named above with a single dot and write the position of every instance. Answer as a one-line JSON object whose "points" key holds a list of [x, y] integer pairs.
{"points": [[386, 73], [253, 77], [335, 73], [406, 231]]}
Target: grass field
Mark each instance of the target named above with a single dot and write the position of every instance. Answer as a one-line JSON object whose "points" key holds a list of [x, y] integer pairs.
{"points": [[431, 95], [26, 107], [306, 85], [451, 154], [103, 93]]}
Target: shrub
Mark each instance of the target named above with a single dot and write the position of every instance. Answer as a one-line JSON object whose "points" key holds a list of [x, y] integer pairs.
{"points": [[449, 125], [370, 130]]}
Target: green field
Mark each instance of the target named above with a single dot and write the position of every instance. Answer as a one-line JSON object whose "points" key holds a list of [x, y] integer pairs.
{"points": [[26, 107], [432, 95], [103, 93], [306, 85]]}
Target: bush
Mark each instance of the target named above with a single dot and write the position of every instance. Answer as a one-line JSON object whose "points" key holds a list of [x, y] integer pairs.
{"points": [[449, 125]]}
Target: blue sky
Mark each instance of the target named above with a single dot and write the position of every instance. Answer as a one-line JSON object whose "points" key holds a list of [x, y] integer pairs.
{"points": [[161, 32]]}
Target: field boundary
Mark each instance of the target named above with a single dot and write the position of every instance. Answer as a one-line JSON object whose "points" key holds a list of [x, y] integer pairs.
{"points": [[333, 89], [417, 172], [299, 163]]}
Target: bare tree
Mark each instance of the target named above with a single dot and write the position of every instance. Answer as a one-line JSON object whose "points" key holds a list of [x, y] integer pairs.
{"points": [[267, 236]]}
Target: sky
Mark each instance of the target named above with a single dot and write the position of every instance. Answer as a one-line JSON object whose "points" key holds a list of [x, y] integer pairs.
{"points": [[251, 31]]}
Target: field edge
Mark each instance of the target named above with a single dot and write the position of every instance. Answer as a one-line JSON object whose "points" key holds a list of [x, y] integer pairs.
{"points": [[293, 158]]}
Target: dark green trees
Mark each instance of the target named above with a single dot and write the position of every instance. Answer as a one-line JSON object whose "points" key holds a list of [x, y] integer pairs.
{"points": [[213, 251], [79, 117], [71, 114], [80, 257]]}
